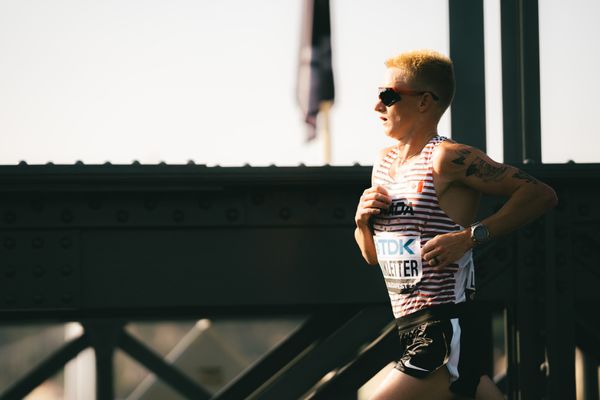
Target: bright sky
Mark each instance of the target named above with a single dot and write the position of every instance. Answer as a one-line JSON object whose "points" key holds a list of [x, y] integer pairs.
{"points": [[214, 81]]}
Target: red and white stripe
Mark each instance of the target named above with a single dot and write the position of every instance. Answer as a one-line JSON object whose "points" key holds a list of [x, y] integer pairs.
{"points": [[435, 287]]}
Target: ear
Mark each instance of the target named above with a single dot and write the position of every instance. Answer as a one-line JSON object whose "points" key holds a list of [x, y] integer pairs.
{"points": [[425, 102]]}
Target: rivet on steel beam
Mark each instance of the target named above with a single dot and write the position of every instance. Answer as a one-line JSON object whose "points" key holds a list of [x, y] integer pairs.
{"points": [[258, 199], [67, 298], [122, 216], [94, 204], [285, 213], [66, 242], [312, 199], [204, 204], [339, 213], [10, 217], [10, 243], [178, 216], [37, 206], [37, 242], [10, 271], [232, 214], [150, 204], [39, 271], [38, 299], [66, 270], [66, 216]]}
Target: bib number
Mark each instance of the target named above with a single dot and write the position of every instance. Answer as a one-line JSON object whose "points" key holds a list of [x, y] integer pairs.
{"points": [[400, 260]]}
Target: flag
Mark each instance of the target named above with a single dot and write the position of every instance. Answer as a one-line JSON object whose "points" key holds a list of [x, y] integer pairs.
{"points": [[315, 75]]}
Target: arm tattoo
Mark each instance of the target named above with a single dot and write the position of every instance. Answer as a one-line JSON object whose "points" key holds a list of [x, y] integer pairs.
{"points": [[525, 176], [462, 155], [486, 171]]}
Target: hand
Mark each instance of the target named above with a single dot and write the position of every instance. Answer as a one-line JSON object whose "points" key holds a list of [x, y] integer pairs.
{"points": [[447, 248], [372, 201]]}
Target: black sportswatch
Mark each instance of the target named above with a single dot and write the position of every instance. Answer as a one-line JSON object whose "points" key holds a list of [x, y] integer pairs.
{"points": [[479, 233]]}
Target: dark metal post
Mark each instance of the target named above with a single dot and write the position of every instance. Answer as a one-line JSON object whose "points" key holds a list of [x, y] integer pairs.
{"points": [[521, 81], [467, 54], [590, 377], [104, 336], [560, 311]]}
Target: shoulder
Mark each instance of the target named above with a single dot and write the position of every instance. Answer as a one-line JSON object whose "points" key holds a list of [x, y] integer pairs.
{"points": [[451, 157], [381, 156]]}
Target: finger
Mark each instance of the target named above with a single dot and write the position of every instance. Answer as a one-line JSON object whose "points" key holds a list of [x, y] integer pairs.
{"points": [[429, 255], [381, 189], [375, 204], [436, 261], [378, 196], [430, 245]]}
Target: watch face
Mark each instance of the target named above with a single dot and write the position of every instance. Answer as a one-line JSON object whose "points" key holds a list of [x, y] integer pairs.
{"points": [[480, 233]]}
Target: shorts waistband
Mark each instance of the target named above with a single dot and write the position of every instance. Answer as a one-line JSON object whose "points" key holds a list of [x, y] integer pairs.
{"points": [[434, 313]]}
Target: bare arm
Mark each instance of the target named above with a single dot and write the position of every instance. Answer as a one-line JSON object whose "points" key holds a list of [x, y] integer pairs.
{"points": [[372, 201], [528, 198]]}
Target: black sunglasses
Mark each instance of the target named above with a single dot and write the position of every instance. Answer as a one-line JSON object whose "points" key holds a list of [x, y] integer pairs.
{"points": [[389, 96]]}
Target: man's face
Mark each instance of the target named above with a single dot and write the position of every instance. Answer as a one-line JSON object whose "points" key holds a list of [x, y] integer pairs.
{"points": [[397, 119]]}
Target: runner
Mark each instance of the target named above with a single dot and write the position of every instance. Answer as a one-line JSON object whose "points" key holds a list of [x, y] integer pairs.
{"points": [[417, 221]]}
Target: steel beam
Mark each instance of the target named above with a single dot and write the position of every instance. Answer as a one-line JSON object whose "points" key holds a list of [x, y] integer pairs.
{"points": [[46, 369], [331, 353], [559, 296], [521, 81], [155, 363], [317, 327], [468, 56], [356, 373]]}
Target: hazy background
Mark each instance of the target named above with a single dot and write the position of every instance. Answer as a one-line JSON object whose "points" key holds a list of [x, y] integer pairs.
{"points": [[214, 81]]}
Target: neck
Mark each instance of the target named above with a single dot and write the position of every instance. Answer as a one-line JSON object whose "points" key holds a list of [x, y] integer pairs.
{"points": [[412, 145]]}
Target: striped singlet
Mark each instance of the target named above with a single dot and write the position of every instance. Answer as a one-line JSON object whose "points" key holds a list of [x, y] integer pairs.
{"points": [[414, 218]]}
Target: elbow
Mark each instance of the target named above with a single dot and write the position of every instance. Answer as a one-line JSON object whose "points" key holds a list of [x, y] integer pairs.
{"points": [[370, 259]]}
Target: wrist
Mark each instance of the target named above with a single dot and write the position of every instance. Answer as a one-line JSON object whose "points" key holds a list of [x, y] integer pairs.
{"points": [[467, 239], [479, 233]]}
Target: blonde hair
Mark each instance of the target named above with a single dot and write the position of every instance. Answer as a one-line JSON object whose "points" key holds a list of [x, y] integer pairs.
{"points": [[427, 70]]}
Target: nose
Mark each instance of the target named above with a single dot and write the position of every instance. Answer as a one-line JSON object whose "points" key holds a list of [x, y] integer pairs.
{"points": [[379, 106]]}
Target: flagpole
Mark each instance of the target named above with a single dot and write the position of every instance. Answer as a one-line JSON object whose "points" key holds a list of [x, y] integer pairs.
{"points": [[325, 132]]}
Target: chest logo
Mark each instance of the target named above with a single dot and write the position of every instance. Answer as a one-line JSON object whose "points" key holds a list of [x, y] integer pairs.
{"points": [[399, 207]]}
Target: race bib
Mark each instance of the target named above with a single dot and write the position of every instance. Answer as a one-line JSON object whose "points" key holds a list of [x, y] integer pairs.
{"points": [[400, 260]]}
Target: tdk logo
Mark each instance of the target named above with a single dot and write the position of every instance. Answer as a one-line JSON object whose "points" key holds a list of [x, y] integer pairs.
{"points": [[399, 207], [395, 247]]}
